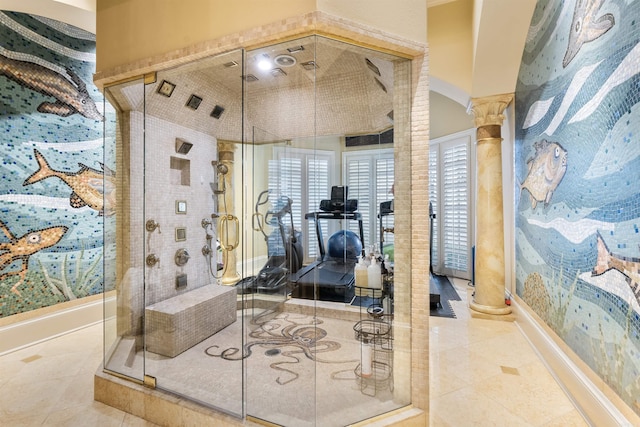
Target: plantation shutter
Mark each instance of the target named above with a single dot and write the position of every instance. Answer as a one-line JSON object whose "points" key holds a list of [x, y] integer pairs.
{"points": [[304, 176], [384, 182], [433, 199], [369, 177], [455, 206], [359, 179], [318, 185]]}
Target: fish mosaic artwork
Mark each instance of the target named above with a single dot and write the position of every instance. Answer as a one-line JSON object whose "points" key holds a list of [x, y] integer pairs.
{"points": [[69, 91], [628, 266], [53, 125], [577, 107], [586, 26], [545, 171], [89, 187], [21, 248]]}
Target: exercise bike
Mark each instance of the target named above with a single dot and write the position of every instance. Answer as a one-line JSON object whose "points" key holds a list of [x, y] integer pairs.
{"points": [[284, 246]]}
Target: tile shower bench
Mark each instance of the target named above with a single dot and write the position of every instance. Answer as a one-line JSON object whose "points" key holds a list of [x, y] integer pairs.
{"points": [[180, 322]]}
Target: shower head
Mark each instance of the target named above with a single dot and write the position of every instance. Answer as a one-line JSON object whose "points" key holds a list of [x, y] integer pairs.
{"points": [[182, 146], [221, 168]]}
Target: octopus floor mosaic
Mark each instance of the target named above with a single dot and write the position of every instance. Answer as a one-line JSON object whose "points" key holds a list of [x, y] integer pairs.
{"points": [[300, 370]]}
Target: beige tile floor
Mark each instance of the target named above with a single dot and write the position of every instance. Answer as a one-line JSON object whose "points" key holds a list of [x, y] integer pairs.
{"points": [[483, 373]]}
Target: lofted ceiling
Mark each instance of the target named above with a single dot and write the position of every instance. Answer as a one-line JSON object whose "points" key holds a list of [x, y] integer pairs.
{"points": [[310, 86]]}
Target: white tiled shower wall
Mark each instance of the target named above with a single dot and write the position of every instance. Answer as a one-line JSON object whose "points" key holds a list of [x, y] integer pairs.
{"points": [[159, 193]]}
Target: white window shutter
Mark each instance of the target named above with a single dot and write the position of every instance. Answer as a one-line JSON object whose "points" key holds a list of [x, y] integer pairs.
{"points": [[304, 176], [370, 176], [455, 206], [433, 199]]}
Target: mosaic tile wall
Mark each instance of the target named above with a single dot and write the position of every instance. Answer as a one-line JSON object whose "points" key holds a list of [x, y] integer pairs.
{"points": [[578, 166], [170, 177], [51, 197]]}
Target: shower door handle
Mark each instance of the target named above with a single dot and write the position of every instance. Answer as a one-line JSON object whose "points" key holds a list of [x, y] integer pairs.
{"points": [[224, 232]]}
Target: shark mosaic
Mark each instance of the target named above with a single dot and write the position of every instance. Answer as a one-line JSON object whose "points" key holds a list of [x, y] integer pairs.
{"points": [[56, 191], [578, 162]]}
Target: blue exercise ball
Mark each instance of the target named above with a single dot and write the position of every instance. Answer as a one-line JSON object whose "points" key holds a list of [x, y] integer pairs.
{"points": [[344, 244]]}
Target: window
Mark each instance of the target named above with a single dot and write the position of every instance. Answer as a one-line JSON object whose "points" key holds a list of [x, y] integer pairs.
{"points": [[451, 198], [369, 176], [304, 176], [433, 204]]}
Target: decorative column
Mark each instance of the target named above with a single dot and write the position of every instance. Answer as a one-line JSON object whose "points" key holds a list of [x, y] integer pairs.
{"points": [[228, 234], [489, 295]]}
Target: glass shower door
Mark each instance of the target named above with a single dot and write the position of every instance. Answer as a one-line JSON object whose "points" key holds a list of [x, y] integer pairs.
{"points": [[193, 330], [123, 265]]}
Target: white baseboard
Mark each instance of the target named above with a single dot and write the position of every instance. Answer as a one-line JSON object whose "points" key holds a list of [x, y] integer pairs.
{"points": [[594, 405], [19, 335]]}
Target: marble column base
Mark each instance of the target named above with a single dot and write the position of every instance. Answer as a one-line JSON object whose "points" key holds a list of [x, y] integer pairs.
{"points": [[487, 309], [230, 280]]}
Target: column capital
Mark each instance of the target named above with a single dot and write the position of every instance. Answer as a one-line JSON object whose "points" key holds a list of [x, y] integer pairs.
{"points": [[226, 150], [488, 110]]}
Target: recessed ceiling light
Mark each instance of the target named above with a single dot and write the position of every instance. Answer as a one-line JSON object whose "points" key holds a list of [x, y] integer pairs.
{"points": [[295, 49], [264, 64], [285, 60], [230, 64], [250, 78]]}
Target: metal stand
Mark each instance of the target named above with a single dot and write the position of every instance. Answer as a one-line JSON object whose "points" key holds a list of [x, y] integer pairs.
{"points": [[375, 333]]}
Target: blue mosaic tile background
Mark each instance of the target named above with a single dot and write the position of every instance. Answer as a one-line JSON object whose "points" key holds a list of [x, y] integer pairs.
{"points": [[49, 105], [577, 228]]}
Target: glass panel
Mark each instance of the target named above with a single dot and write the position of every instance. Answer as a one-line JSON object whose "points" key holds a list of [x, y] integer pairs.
{"points": [[123, 263], [359, 91], [281, 336], [248, 192], [331, 106], [276, 246], [193, 125]]}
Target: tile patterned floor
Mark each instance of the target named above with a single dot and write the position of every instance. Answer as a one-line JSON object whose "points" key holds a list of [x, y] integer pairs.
{"points": [[483, 373]]}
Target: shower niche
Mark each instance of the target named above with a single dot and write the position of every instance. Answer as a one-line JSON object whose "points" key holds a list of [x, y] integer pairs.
{"points": [[253, 175], [180, 171]]}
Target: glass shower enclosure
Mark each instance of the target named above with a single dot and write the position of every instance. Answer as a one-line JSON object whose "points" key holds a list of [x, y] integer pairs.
{"points": [[233, 264]]}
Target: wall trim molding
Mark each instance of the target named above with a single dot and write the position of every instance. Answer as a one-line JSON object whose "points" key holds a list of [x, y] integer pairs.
{"points": [[22, 334], [589, 399]]}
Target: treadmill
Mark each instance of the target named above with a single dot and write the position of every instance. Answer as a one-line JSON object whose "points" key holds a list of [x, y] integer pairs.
{"points": [[329, 278]]}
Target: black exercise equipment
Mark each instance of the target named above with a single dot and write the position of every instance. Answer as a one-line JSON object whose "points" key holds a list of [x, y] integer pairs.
{"points": [[284, 247], [328, 278], [339, 201]]}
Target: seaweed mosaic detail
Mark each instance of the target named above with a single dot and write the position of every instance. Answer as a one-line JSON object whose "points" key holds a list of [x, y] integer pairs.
{"points": [[51, 245], [577, 257]]}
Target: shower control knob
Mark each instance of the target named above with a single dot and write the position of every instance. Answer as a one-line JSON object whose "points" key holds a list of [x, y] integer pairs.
{"points": [[182, 257], [151, 225], [152, 260]]}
